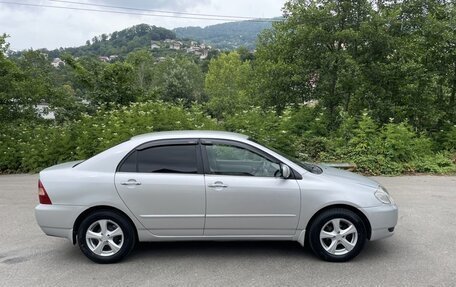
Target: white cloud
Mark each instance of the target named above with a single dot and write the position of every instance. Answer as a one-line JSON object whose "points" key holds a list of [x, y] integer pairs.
{"points": [[35, 27], [179, 5]]}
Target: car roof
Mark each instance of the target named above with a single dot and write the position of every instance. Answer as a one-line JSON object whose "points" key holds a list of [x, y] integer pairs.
{"points": [[190, 134]]}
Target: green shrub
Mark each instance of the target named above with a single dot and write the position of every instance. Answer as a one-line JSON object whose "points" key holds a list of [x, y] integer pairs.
{"points": [[390, 150], [31, 147], [400, 143], [298, 131], [450, 139], [266, 127], [434, 163], [313, 148]]}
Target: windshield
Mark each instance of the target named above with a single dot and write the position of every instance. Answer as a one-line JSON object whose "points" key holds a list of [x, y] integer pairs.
{"points": [[311, 167]]}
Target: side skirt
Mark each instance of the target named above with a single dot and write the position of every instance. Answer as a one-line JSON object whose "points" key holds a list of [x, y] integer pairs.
{"points": [[146, 236]]}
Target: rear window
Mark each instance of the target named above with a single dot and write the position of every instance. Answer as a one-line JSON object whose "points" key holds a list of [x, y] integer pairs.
{"points": [[129, 164], [162, 159]]}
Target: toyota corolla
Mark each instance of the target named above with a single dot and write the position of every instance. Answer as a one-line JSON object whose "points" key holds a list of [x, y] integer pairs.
{"points": [[208, 185]]}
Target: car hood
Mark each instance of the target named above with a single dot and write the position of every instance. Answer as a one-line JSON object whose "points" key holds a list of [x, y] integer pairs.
{"points": [[340, 175]]}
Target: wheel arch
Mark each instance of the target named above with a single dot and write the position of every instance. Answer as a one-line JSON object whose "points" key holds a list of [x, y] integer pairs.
{"points": [[92, 209], [344, 206]]}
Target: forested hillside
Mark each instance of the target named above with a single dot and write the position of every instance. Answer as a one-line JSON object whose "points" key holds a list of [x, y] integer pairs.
{"points": [[226, 36], [117, 43], [368, 82]]}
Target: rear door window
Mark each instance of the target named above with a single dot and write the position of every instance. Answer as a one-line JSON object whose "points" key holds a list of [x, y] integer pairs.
{"points": [[162, 159]]}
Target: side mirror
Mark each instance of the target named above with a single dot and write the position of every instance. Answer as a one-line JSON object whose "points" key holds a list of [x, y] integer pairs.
{"points": [[285, 170]]}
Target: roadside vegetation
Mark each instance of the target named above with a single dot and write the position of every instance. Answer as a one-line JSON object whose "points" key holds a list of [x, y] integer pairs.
{"points": [[337, 81]]}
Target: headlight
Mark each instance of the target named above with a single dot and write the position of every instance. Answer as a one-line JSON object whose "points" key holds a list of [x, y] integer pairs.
{"points": [[383, 195]]}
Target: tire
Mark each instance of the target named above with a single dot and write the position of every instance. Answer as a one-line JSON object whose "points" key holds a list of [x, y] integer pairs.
{"points": [[106, 237], [337, 244]]}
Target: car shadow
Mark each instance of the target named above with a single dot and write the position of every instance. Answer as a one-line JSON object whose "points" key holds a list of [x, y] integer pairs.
{"points": [[245, 249], [229, 251]]}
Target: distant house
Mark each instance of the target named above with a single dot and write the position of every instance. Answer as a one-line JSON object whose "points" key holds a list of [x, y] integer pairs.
{"points": [[57, 62], [200, 50], [204, 54], [192, 49], [175, 45], [103, 58], [154, 45], [113, 57], [43, 111]]}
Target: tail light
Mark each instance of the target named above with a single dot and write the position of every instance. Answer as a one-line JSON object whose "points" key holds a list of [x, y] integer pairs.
{"points": [[42, 194]]}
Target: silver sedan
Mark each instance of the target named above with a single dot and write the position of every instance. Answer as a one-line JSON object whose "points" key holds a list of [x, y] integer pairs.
{"points": [[208, 185]]}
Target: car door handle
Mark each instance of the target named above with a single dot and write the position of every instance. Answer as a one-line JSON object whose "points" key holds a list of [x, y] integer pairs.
{"points": [[218, 184], [130, 182]]}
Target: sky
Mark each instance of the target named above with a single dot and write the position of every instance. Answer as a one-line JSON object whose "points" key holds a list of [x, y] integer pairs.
{"points": [[39, 27]]}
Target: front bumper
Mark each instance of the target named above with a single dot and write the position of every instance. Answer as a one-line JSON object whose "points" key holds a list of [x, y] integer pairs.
{"points": [[57, 220], [382, 219]]}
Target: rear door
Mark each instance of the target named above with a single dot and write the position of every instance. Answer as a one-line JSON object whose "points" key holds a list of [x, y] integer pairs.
{"points": [[245, 193], [162, 183]]}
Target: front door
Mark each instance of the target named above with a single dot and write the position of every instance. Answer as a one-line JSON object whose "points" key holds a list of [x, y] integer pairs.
{"points": [[246, 194], [163, 185]]}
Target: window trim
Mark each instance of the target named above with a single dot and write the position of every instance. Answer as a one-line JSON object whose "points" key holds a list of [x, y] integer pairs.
{"points": [[165, 142], [201, 154], [206, 142]]}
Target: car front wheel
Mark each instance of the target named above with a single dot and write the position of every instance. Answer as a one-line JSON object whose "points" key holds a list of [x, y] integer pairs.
{"points": [[337, 235], [106, 237]]}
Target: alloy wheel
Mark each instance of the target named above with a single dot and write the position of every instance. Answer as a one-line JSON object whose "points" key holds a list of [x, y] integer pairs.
{"points": [[104, 237], [338, 236]]}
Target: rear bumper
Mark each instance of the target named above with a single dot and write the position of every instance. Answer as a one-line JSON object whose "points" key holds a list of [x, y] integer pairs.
{"points": [[382, 219], [57, 220], [59, 232]]}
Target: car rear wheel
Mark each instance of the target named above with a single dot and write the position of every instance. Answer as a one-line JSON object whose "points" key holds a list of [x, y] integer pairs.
{"points": [[337, 235], [106, 237]]}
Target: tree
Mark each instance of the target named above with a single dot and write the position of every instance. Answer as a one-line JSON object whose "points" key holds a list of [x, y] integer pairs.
{"points": [[142, 62], [245, 54], [3, 45], [13, 103], [24, 84], [178, 79], [312, 54], [394, 58], [409, 65], [439, 55], [105, 84], [227, 84]]}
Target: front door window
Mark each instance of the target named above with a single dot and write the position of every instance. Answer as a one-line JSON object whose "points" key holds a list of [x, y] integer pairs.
{"points": [[232, 160]]}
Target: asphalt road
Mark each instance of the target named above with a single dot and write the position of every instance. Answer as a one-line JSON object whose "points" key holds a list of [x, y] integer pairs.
{"points": [[421, 253]]}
